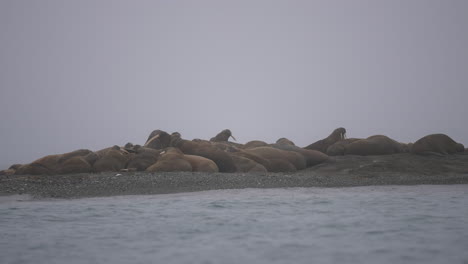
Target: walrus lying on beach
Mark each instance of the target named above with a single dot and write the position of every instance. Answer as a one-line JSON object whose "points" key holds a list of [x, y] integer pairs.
{"points": [[72, 162], [285, 141], [312, 157], [201, 164], [374, 145], [339, 148], [225, 156], [223, 136], [322, 145], [438, 144], [278, 156], [11, 170], [142, 158], [255, 144], [244, 164], [171, 159], [111, 159], [204, 149]]}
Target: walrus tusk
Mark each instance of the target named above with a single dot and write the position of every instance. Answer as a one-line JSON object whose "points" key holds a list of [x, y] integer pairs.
{"points": [[124, 150], [151, 140], [233, 138]]}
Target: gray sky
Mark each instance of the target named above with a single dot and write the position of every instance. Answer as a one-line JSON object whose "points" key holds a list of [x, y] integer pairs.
{"points": [[92, 74]]}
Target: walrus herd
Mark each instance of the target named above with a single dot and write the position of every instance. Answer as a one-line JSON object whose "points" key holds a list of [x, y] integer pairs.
{"points": [[164, 152]]}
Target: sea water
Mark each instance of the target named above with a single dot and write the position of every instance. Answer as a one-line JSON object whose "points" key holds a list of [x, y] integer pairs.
{"points": [[393, 224]]}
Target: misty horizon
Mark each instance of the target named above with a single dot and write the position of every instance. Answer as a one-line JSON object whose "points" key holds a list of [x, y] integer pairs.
{"points": [[86, 74]]}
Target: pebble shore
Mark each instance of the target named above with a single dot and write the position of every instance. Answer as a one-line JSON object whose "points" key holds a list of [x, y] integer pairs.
{"points": [[342, 171]]}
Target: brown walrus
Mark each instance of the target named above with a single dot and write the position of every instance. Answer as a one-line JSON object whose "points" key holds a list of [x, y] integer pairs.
{"points": [[223, 136], [374, 145], [285, 141], [312, 157], [72, 162], [339, 148], [255, 144], [439, 144], [322, 145], [158, 139], [205, 149], [201, 164], [171, 159]]}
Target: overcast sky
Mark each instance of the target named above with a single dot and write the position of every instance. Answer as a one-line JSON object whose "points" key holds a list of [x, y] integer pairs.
{"points": [[92, 74]]}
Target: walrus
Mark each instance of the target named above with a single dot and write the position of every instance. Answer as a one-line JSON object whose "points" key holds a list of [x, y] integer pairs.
{"points": [[438, 144], [223, 136], [7, 172], [244, 164], [142, 158], [201, 164], [312, 157], [158, 139], [323, 144], [285, 141], [374, 145], [76, 164], [279, 155], [339, 148], [11, 170], [171, 159], [111, 159], [59, 163], [255, 144], [271, 164], [205, 149]]}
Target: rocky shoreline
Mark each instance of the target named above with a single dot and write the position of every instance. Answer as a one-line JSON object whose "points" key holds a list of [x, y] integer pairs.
{"points": [[339, 171]]}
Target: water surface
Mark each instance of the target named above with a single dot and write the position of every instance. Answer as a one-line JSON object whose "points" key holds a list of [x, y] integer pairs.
{"points": [[392, 224]]}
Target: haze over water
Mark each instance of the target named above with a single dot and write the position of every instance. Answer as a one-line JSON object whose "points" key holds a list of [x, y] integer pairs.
{"points": [[93, 74], [392, 224]]}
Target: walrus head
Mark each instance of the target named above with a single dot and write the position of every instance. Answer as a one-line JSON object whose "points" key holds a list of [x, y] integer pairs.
{"points": [[338, 134], [176, 139], [158, 139], [223, 136]]}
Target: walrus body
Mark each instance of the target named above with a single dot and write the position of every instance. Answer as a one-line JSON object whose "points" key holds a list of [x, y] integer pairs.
{"points": [[374, 145], [255, 144], [77, 161], [339, 148], [111, 159], [244, 164], [312, 157], [170, 160], [204, 149], [201, 164], [285, 141], [438, 144], [142, 158], [280, 156], [322, 145]]}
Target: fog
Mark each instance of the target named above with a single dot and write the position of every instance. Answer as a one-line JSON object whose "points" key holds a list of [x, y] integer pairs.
{"points": [[92, 74]]}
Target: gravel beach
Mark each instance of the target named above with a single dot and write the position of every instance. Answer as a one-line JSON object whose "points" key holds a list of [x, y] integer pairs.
{"points": [[342, 171]]}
